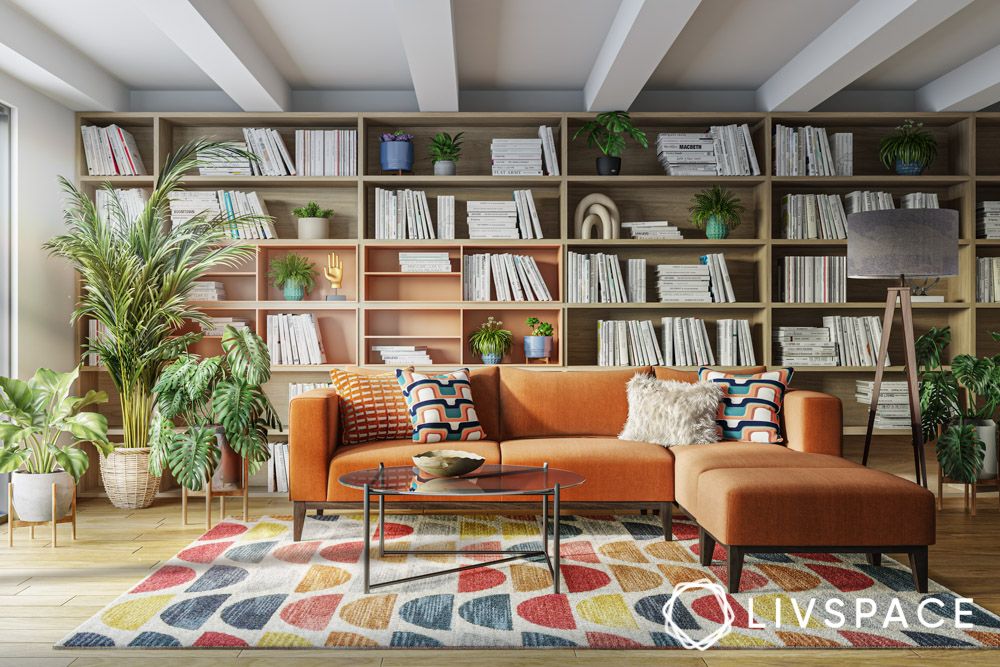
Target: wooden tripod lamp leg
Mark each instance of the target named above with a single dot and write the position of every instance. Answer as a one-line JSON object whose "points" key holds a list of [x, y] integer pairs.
{"points": [[909, 345], [55, 520], [10, 514], [883, 353]]}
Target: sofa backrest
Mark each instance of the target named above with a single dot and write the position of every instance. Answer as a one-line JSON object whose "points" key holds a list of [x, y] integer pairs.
{"points": [[667, 373], [547, 403], [485, 393]]}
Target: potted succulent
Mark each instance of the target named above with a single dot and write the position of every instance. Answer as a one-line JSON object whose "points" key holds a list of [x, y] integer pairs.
{"points": [[538, 344], [224, 411], [137, 275], [294, 274], [396, 151], [909, 150], [34, 416], [491, 341], [314, 222], [607, 132], [445, 151], [717, 211]]}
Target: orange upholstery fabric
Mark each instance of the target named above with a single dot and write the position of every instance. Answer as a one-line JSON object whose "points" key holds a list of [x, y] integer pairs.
{"points": [[314, 419], [616, 470], [537, 404], [690, 462], [667, 373], [393, 453], [813, 422], [485, 388], [852, 506]]}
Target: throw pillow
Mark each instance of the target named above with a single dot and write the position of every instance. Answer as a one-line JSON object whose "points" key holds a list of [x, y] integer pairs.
{"points": [[441, 406], [371, 407], [669, 412], [751, 404]]}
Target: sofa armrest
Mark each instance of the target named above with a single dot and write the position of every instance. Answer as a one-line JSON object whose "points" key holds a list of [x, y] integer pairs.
{"points": [[814, 422], [313, 435]]}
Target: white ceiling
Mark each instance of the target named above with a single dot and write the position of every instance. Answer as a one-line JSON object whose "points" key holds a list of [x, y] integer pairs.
{"points": [[539, 45]]}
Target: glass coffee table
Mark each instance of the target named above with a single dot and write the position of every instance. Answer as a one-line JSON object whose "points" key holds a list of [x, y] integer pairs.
{"points": [[489, 480]]}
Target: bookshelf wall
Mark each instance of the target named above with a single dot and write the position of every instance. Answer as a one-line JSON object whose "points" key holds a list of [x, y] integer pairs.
{"points": [[385, 306]]}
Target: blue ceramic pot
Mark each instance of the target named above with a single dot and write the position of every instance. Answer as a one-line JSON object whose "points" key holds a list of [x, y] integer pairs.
{"points": [[492, 359], [396, 155], [716, 229], [294, 291], [537, 347], [909, 168]]}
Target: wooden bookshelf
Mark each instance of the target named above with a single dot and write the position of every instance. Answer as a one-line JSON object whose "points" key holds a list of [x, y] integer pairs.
{"points": [[385, 305]]}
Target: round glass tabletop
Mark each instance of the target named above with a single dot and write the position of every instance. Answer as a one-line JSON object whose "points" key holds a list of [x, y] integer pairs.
{"points": [[489, 480]]}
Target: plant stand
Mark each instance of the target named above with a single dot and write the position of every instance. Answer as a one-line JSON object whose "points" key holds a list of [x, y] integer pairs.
{"points": [[970, 491], [544, 361], [13, 523], [242, 491], [395, 172]]}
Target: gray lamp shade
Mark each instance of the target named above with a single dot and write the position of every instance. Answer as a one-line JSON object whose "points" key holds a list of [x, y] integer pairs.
{"points": [[914, 242]]}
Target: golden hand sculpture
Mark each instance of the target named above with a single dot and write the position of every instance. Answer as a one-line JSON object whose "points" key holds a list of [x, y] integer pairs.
{"points": [[334, 271]]}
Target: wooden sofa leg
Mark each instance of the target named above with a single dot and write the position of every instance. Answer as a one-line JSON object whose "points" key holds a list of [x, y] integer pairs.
{"points": [[918, 566], [667, 519], [874, 559], [734, 559], [706, 546], [298, 519]]}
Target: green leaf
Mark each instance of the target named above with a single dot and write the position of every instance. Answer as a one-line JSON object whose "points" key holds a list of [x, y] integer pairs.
{"points": [[12, 458], [73, 460], [247, 355], [192, 456], [161, 437], [88, 426], [960, 453], [15, 396]]}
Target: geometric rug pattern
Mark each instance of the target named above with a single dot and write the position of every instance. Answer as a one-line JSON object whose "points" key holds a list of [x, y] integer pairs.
{"points": [[248, 584]]}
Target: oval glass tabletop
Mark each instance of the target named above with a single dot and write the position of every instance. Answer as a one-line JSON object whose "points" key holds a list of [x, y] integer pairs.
{"points": [[491, 479]]}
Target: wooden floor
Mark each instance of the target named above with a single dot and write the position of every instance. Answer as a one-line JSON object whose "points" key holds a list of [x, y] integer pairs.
{"points": [[45, 593]]}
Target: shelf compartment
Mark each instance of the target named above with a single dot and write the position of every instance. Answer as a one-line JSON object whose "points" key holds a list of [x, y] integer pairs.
{"points": [[412, 323], [987, 140], [280, 200], [140, 127], [317, 254], [547, 258], [338, 330], [515, 321], [422, 287]]}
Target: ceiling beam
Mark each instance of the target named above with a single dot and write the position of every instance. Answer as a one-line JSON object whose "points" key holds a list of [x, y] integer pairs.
{"points": [[215, 39], [35, 55], [428, 32], [640, 36], [972, 86], [865, 36]]}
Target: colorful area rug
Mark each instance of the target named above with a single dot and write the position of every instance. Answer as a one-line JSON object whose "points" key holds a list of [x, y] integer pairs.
{"points": [[248, 584]]}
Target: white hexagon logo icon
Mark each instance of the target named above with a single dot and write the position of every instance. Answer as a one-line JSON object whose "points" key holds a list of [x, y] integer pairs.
{"points": [[728, 615]]}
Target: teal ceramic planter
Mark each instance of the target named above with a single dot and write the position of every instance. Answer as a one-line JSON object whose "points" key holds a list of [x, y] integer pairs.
{"points": [[294, 292], [716, 229]]}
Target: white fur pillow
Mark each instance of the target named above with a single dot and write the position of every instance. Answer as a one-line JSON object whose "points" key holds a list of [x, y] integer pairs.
{"points": [[672, 413]]}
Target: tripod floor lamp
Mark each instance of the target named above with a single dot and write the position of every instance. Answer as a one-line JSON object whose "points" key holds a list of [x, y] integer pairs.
{"points": [[900, 244]]}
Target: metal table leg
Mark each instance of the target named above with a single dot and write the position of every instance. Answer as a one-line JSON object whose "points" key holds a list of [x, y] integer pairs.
{"points": [[381, 526], [556, 530], [365, 555]]}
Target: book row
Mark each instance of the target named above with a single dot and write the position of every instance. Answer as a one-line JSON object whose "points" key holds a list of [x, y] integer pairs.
{"points": [[725, 150], [326, 152], [598, 278], [500, 219], [294, 339], [988, 279], [111, 151], [806, 151], [814, 279], [246, 211], [707, 282], [512, 277], [893, 409]]}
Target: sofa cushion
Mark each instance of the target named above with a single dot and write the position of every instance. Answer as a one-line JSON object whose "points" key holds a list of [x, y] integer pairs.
{"points": [[616, 470], [668, 373], [691, 462], [371, 407], [556, 403], [391, 453], [671, 413], [441, 406], [751, 404], [806, 507]]}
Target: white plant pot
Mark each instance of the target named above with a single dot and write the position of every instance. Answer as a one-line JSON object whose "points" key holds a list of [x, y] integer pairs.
{"points": [[444, 168], [314, 228], [33, 495], [986, 429]]}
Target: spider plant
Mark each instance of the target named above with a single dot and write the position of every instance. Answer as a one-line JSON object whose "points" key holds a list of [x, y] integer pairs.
{"points": [[491, 340], [137, 275], [909, 150]]}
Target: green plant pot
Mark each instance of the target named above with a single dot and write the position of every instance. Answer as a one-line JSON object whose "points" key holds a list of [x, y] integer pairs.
{"points": [[294, 292], [716, 229]]}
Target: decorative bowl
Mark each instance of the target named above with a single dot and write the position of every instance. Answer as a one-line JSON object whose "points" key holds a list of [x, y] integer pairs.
{"points": [[447, 462]]}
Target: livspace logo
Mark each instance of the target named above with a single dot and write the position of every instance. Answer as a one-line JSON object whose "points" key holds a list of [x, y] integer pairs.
{"points": [[836, 613]]}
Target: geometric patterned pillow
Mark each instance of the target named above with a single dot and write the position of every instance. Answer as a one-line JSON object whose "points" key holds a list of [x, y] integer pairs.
{"points": [[751, 404], [441, 406], [371, 407]]}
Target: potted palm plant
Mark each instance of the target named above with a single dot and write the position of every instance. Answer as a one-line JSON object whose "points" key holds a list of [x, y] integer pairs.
{"points": [[445, 151], [909, 150], [314, 222], [538, 344], [35, 417], [396, 151], [224, 412], [607, 132], [491, 341], [137, 277], [294, 274], [717, 211]]}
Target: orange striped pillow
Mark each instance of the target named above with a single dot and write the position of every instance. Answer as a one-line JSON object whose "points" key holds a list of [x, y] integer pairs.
{"points": [[372, 407]]}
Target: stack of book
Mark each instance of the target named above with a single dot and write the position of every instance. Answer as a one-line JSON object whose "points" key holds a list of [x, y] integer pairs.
{"points": [[296, 388], [860, 201], [225, 163], [718, 272], [273, 158], [227, 205], [403, 355], [683, 283], [402, 214], [819, 279], [598, 278], [326, 152], [893, 410], [652, 230], [627, 343], [549, 150], [216, 326], [446, 216], [806, 346], [277, 467], [734, 151], [805, 151], [492, 219], [188, 204], [131, 201], [514, 278], [111, 151], [207, 290], [816, 216], [988, 220], [920, 200], [735, 343], [637, 280], [988, 279], [294, 339], [687, 153], [685, 342], [424, 262], [516, 157], [857, 338]]}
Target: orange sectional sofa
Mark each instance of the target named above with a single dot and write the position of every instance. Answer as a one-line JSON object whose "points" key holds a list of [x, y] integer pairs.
{"points": [[748, 497]]}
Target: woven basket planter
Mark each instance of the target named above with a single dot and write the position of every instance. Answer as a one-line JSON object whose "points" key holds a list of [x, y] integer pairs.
{"points": [[127, 480]]}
